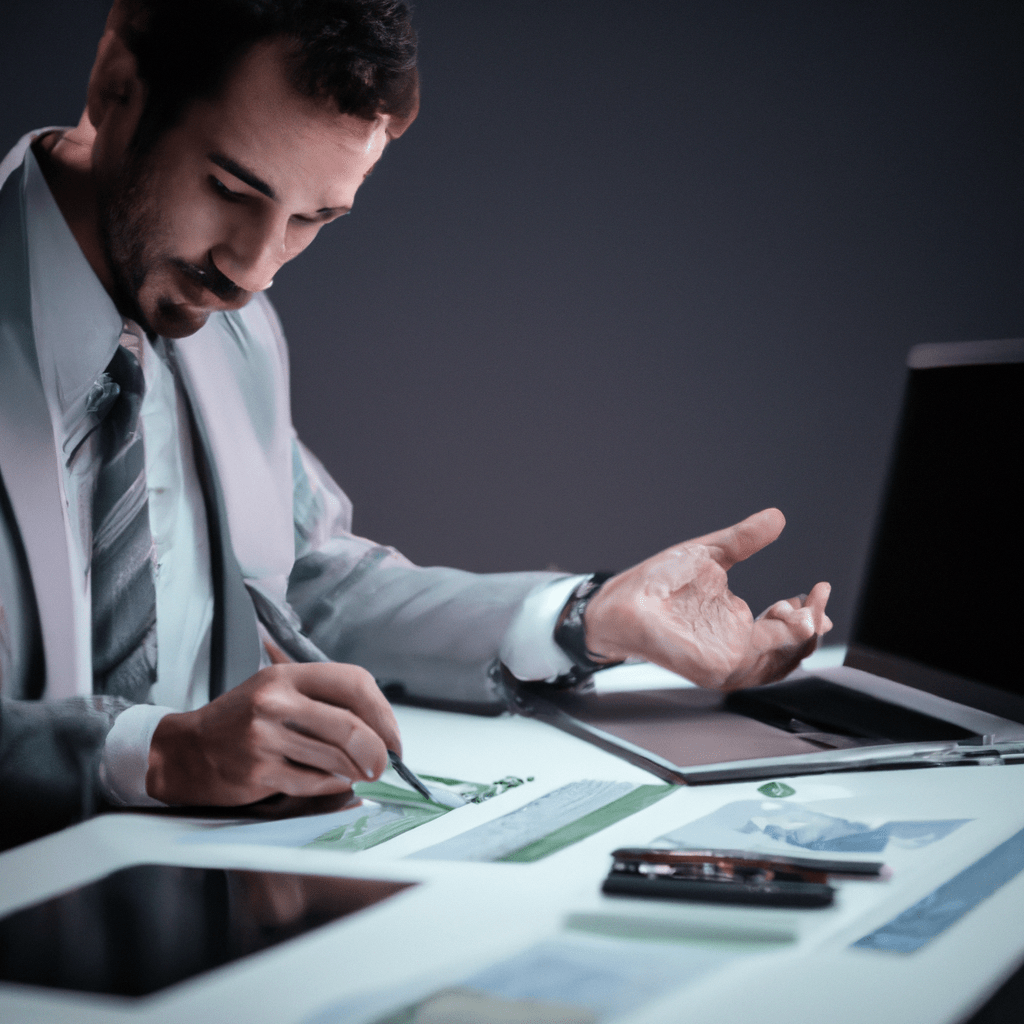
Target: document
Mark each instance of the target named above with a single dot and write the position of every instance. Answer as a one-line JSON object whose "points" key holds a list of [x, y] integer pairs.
{"points": [[944, 906], [388, 808], [550, 823], [776, 826], [392, 808], [571, 978]]}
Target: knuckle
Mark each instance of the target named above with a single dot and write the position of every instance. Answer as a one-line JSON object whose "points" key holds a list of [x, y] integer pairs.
{"points": [[364, 681], [268, 700], [270, 676], [346, 723], [351, 679]]}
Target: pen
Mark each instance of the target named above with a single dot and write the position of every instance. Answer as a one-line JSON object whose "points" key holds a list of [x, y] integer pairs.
{"points": [[408, 775], [445, 797]]}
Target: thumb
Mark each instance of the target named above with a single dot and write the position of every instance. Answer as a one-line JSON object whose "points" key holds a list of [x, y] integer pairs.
{"points": [[738, 542]]}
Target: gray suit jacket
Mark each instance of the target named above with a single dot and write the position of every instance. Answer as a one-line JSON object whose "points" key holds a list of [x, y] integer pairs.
{"points": [[279, 527]]}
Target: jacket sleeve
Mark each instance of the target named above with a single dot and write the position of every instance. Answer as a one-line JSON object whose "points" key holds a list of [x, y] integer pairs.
{"points": [[49, 750], [430, 633], [49, 758]]}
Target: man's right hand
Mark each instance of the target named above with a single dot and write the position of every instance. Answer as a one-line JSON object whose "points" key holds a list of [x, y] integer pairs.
{"points": [[301, 729]]}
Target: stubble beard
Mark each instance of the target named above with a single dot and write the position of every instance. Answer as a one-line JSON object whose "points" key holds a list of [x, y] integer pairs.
{"points": [[127, 225], [131, 236], [135, 251]]}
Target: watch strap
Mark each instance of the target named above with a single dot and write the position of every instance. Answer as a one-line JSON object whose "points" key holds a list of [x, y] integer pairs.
{"points": [[571, 634]]}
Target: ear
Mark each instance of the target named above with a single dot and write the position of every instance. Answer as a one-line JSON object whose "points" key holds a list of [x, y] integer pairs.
{"points": [[116, 95]]}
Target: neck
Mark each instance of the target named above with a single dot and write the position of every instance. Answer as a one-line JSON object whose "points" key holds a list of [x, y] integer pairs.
{"points": [[65, 159]]}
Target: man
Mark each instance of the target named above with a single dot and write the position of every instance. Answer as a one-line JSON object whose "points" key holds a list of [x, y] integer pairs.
{"points": [[185, 617]]}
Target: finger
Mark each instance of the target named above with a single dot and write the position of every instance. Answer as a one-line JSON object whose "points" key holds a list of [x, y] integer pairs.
{"points": [[783, 626], [780, 654], [276, 655], [785, 662], [298, 781], [351, 687], [784, 609], [816, 601], [310, 752], [363, 750], [789, 602], [738, 542]]}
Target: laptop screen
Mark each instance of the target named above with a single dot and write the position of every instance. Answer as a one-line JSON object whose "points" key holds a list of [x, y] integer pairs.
{"points": [[943, 600]]}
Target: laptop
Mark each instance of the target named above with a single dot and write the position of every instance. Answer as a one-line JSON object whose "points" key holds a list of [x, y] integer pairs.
{"points": [[934, 671]]}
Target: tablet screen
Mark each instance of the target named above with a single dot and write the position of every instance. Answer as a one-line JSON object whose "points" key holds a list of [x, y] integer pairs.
{"points": [[149, 926]]}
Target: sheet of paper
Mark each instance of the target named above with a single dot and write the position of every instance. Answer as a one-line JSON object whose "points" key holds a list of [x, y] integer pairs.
{"points": [[944, 906], [291, 832], [389, 808], [556, 820], [606, 976], [572, 978], [775, 826]]}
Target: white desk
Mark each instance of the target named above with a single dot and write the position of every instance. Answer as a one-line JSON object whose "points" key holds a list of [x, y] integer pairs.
{"points": [[775, 965]]}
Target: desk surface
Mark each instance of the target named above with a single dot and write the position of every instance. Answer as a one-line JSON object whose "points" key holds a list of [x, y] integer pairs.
{"points": [[734, 964]]}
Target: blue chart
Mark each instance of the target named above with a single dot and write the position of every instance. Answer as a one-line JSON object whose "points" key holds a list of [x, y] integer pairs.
{"points": [[770, 827], [944, 906]]}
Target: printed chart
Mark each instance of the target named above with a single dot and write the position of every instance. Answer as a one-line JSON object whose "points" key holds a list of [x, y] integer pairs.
{"points": [[389, 808]]}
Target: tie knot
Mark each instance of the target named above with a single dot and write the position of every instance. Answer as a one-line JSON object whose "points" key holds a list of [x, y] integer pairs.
{"points": [[119, 392], [126, 371], [102, 395]]}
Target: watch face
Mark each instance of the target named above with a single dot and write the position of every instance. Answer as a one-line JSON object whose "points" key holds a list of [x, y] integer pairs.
{"points": [[146, 927]]}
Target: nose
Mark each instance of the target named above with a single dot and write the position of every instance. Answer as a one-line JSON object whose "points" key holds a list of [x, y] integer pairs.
{"points": [[253, 253]]}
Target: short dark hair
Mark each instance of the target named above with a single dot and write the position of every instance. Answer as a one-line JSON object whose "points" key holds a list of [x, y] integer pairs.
{"points": [[360, 53]]}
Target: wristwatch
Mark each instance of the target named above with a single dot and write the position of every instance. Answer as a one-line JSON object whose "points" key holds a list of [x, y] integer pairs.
{"points": [[571, 634]]}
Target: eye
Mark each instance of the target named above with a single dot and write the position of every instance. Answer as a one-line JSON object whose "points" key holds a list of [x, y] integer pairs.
{"points": [[319, 221], [222, 190]]}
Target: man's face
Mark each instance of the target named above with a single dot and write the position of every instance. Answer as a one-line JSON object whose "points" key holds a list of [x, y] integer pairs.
{"points": [[240, 186]]}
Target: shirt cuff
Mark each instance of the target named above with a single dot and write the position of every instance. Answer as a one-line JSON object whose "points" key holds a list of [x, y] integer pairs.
{"points": [[125, 760], [529, 650]]}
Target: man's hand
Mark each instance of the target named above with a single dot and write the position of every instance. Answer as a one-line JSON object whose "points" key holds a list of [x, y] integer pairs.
{"points": [[301, 729], [676, 610]]}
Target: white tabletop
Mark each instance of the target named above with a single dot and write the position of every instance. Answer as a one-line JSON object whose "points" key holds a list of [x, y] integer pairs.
{"points": [[733, 963]]}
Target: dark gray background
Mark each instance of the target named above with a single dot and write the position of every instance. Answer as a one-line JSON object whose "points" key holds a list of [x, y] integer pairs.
{"points": [[641, 269]]}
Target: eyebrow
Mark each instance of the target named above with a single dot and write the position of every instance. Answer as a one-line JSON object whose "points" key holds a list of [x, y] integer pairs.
{"points": [[256, 182], [252, 180]]}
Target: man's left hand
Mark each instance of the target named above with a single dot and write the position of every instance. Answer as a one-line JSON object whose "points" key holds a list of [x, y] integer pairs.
{"points": [[677, 611]]}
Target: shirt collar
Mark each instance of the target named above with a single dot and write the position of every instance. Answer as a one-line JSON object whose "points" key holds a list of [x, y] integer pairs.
{"points": [[77, 325]]}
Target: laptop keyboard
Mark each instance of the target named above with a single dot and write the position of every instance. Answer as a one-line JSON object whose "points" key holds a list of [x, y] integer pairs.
{"points": [[798, 705]]}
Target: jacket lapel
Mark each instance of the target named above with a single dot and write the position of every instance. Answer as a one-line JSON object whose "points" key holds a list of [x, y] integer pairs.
{"points": [[29, 465], [235, 644]]}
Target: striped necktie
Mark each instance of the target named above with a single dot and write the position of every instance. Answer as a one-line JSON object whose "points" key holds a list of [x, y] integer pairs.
{"points": [[123, 591]]}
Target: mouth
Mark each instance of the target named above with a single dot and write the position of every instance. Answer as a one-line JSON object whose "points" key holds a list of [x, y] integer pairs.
{"points": [[209, 279]]}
